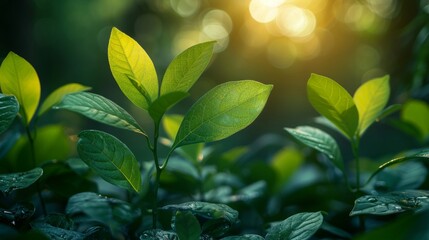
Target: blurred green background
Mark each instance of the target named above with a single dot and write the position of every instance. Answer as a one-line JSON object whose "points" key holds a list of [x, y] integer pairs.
{"points": [[278, 42]]}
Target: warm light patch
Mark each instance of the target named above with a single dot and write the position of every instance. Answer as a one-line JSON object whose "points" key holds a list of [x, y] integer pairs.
{"points": [[296, 22]]}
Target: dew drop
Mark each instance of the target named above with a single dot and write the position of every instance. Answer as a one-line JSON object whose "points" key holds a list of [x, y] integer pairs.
{"points": [[372, 199]]}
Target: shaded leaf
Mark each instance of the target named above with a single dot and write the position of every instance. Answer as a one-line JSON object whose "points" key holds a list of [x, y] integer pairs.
{"points": [[417, 113], [9, 108], [320, 141], [389, 111], [370, 99], [156, 234], [18, 214], [186, 68], [132, 69], [18, 78], [56, 233], [163, 103], [187, 226], [300, 226], [285, 163], [110, 158], [390, 203], [100, 109], [244, 237], [332, 101], [12, 181], [57, 95], [223, 111]]}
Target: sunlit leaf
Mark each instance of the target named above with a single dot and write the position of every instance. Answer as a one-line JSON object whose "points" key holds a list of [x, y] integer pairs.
{"points": [[370, 99], [187, 226], [320, 141], [390, 203], [244, 237], [332, 101], [58, 94], [110, 158], [285, 163], [417, 113], [100, 109], [155, 234], [163, 103], [9, 108], [18, 78], [223, 111], [20, 180], [300, 226], [132, 69], [186, 68]]}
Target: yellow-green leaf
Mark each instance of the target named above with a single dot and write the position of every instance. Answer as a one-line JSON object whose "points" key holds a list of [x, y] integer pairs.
{"points": [[334, 103], [132, 69], [416, 112], [18, 78], [370, 99]]}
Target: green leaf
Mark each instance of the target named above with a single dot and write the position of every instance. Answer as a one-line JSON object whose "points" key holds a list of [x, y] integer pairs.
{"points": [[155, 234], [389, 111], [186, 68], [370, 99], [223, 111], [320, 141], [100, 109], [285, 163], [18, 214], [9, 108], [244, 237], [18, 78], [163, 103], [300, 226], [20, 180], [391, 203], [56, 233], [57, 95], [333, 102], [110, 158], [187, 226], [132, 69], [416, 112]]}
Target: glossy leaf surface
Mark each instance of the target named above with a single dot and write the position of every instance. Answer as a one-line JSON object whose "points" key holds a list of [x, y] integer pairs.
{"points": [[57, 95], [223, 111], [100, 109], [300, 226], [370, 99], [110, 158], [155, 234], [332, 101], [187, 226], [132, 69], [20, 180], [9, 108], [18, 78], [244, 237]]}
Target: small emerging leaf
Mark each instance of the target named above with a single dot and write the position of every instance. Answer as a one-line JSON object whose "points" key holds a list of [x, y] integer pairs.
{"points": [[110, 158], [18, 78], [300, 226], [187, 226], [9, 108], [223, 111], [100, 109], [332, 101], [13, 181], [163, 103], [370, 99], [57, 95]]}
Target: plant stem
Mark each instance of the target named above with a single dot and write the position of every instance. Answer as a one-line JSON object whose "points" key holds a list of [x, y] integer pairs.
{"points": [[158, 170], [355, 149]]}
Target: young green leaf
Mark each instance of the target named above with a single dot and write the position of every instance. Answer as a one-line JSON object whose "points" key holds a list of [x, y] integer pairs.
{"points": [[18, 78], [320, 141], [390, 203], [132, 69], [186, 68], [163, 103], [110, 158], [300, 226], [223, 111], [333, 102], [416, 112], [370, 99], [58, 94], [9, 108], [187, 226], [100, 109], [20, 180]]}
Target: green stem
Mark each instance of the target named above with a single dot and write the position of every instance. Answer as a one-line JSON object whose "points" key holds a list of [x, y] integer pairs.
{"points": [[158, 170], [355, 149]]}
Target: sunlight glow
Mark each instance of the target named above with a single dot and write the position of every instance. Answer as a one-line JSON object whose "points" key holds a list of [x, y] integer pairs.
{"points": [[296, 22], [264, 11]]}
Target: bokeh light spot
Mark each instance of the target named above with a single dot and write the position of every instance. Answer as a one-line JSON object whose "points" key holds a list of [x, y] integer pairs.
{"points": [[185, 8], [296, 22], [263, 11]]}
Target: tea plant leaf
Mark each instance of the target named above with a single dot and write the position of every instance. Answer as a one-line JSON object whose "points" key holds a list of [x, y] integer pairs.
{"points": [[9, 108], [333, 102], [370, 99], [20, 180], [320, 141], [18, 78], [244, 237], [110, 158], [155, 234], [223, 111], [163, 103], [57, 95], [19, 213], [132, 69], [300, 226], [100, 109], [187, 226], [186, 68], [390, 203], [285, 163], [57, 233], [389, 111], [416, 112]]}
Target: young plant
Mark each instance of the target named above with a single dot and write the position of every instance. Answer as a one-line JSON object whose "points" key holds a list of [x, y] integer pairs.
{"points": [[218, 114]]}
